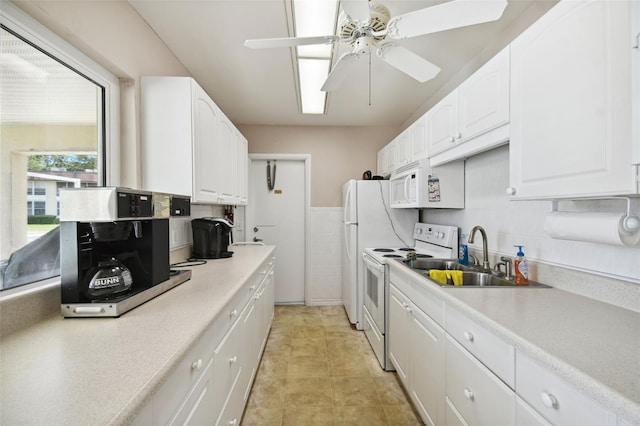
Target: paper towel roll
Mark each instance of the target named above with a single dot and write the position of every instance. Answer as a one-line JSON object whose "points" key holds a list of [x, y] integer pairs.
{"points": [[603, 228]]}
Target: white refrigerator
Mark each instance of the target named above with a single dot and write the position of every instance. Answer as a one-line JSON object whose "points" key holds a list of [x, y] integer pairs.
{"points": [[368, 222]]}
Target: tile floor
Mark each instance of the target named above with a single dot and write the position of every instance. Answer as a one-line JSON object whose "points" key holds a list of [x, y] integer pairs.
{"points": [[318, 370]]}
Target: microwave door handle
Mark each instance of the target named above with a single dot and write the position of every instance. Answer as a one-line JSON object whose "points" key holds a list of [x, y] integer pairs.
{"points": [[407, 180]]}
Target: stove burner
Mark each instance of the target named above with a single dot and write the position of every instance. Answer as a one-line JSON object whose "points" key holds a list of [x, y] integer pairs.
{"points": [[407, 249], [391, 255], [384, 250], [423, 256]]}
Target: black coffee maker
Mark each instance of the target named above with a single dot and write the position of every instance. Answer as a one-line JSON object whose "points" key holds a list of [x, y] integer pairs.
{"points": [[211, 238]]}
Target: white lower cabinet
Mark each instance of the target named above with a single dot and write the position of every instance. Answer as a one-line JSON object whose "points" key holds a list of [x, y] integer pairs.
{"points": [[556, 400], [479, 396], [211, 384], [416, 349], [426, 365], [527, 416]]}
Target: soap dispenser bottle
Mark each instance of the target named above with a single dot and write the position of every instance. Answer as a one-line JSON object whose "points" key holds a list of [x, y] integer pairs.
{"points": [[521, 268]]}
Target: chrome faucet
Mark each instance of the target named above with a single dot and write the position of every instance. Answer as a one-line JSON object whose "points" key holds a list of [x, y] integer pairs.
{"points": [[486, 267], [507, 267]]}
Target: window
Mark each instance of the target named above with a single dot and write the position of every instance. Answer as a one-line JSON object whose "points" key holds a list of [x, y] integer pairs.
{"points": [[58, 118]]}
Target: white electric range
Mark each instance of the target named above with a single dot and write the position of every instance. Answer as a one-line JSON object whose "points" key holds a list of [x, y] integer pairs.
{"points": [[431, 241]]}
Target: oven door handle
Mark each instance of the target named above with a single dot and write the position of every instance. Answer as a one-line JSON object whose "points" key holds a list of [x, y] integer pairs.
{"points": [[371, 263]]}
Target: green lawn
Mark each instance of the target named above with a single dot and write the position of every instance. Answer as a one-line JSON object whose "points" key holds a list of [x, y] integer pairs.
{"points": [[41, 228]]}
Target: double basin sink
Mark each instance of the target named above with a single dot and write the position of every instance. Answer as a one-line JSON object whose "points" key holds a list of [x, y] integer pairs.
{"points": [[471, 276]]}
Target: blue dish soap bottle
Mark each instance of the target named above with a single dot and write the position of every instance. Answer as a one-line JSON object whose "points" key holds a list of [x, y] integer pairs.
{"points": [[463, 250], [521, 267]]}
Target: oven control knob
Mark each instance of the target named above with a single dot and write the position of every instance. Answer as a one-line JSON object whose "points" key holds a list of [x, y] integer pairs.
{"points": [[440, 235]]}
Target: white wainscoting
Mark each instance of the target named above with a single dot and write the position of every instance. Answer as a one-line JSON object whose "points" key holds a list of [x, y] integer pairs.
{"points": [[325, 248]]}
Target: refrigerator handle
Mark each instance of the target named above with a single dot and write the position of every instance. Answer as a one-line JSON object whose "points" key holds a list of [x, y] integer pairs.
{"points": [[346, 239], [347, 202]]}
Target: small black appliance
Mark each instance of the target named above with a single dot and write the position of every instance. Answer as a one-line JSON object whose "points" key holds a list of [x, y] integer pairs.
{"points": [[211, 238]]}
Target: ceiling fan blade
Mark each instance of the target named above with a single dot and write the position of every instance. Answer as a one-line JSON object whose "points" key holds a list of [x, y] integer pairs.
{"points": [[357, 10], [407, 62], [445, 16], [339, 72], [266, 43]]}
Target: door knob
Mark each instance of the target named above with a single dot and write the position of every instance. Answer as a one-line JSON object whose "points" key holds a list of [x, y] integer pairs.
{"points": [[255, 229]]}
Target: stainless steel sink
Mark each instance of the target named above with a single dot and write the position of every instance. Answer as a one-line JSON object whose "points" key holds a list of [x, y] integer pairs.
{"points": [[471, 278]]}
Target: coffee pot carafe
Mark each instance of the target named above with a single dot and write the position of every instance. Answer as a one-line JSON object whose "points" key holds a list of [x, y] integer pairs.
{"points": [[110, 278]]}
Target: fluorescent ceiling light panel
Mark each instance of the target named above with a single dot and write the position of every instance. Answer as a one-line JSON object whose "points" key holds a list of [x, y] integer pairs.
{"points": [[314, 18], [313, 73]]}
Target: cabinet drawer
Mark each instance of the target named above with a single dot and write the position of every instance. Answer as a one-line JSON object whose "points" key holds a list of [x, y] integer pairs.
{"points": [[492, 351], [227, 361], [183, 377], [197, 408], [557, 401], [478, 395], [428, 302]]}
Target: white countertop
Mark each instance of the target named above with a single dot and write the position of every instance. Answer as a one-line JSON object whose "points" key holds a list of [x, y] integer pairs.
{"points": [[592, 345], [81, 371]]}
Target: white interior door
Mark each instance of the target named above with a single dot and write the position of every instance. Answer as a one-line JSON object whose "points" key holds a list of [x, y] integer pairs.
{"points": [[277, 217]]}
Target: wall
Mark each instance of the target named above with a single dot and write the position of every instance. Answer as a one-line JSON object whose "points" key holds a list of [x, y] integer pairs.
{"points": [[522, 222], [337, 153]]}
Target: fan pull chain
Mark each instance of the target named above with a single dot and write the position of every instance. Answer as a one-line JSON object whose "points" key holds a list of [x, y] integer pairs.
{"points": [[369, 78]]}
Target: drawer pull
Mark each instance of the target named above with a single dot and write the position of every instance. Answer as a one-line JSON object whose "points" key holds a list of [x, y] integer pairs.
{"points": [[253, 287], [233, 360], [549, 400], [197, 365], [234, 313], [233, 422], [468, 394], [468, 336]]}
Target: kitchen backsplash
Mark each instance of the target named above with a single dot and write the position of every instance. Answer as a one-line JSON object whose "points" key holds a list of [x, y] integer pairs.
{"points": [[180, 227], [522, 222]]}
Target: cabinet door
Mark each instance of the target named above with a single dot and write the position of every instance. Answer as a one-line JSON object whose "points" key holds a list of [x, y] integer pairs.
{"points": [[228, 156], [197, 409], [243, 170], [483, 99], [207, 177], [477, 394], [442, 124], [427, 367], [399, 322], [403, 153], [571, 105], [527, 416], [228, 360], [380, 163], [418, 144]]}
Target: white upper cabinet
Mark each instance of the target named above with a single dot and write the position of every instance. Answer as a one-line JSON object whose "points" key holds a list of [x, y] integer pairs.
{"points": [[189, 146], [571, 103], [473, 117], [418, 142], [402, 146]]}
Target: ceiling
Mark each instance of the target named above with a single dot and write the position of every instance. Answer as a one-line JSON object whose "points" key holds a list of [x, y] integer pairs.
{"points": [[258, 86]]}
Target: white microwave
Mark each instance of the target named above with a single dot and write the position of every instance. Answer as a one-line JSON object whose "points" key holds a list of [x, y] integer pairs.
{"points": [[418, 185]]}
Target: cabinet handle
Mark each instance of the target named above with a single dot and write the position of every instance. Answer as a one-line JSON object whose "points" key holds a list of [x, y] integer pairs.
{"points": [[549, 400], [233, 422], [468, 394], [233, 360], [233, 313], [453, 139], [468, 336], [197, 365], [511, 190], [253, 287], [459, 136]]}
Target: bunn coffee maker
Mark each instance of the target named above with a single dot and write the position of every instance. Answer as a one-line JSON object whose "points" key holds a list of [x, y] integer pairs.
{"points": [[114, 253]]}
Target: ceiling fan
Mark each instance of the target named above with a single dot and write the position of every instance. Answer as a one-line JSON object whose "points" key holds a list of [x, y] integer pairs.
{"points": [[368, 26]]}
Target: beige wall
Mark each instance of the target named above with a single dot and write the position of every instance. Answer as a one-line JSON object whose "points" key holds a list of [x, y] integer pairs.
{"points": [[337, 153]]}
